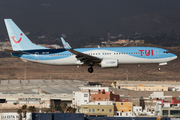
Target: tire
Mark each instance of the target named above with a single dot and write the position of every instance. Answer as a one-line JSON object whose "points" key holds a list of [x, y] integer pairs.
{"points": [[90, 70]]}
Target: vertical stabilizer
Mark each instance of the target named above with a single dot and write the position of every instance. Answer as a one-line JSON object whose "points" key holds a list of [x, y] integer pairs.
{"points": [[19, 40]]}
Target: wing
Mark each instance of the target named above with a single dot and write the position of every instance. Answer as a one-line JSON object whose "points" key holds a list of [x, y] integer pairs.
{"points": [[85, 58]]}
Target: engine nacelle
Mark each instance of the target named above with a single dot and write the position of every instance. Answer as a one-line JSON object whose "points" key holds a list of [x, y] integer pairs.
{"points": [[108, 63]]}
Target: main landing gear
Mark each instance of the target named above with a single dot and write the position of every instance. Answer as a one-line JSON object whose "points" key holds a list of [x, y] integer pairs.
{"points": [[90, 70]]}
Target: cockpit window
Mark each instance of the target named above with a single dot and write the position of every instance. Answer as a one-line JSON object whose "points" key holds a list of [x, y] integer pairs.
{"points": [[166, 52]]}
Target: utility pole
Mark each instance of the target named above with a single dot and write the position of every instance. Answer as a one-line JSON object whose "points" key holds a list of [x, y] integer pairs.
{"points": [[25, 73]]}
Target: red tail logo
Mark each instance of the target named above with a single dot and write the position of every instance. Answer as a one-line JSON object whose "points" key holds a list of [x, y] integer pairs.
{"points": [[13, 37]]}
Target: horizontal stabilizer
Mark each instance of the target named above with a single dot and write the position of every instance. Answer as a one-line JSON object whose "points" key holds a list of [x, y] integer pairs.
{"points": [[15, 52]]}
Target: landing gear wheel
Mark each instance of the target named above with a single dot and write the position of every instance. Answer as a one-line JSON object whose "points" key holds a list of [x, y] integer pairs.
{"points": [[90, 70], [159, 68]]}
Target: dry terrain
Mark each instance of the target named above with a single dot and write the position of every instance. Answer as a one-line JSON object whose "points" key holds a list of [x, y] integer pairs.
{"points": [[14, 68]]}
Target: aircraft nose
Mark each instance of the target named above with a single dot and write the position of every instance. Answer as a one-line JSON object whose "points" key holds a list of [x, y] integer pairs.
{"points": [[173, 56]]}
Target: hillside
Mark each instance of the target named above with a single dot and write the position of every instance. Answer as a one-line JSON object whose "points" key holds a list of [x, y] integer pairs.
{"points": [[14, 68]]}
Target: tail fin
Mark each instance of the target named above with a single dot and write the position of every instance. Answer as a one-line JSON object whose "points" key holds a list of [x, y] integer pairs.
{"points": [[19, 40]]}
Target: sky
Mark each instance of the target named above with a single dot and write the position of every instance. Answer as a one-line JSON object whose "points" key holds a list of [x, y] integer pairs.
{"points": [[92, 17]]}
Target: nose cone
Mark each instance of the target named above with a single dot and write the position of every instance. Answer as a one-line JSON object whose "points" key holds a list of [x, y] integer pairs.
{"points": [[173, 56]]}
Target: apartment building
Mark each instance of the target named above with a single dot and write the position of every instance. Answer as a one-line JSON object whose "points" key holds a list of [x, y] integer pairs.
{"points": [[83, 96], [98, 108], [102, 95], [123, 108]]}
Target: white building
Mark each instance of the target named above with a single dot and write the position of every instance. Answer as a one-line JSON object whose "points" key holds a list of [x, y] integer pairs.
{"points": [[137, 110], [84, 95], [80, 97], [157, 109], [124, 114], [177, 88], [159, 95]]}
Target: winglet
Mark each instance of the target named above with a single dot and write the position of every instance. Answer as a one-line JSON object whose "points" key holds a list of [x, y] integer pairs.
{"points": [[65, 44]]}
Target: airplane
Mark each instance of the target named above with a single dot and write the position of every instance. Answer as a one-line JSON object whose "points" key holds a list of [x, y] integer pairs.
{"points": [[110, 57]]}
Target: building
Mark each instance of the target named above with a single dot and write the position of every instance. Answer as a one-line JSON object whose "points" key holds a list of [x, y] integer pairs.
{"points": [[170, 108], [94, 88], [145, 87], [5, 45], [176, 100], [80, 97], [98, 108], [122, 41], [159, 95], [101, 95], [137, 110], [123, 109], [139, 41], [83, 96], [170, 112], [141, 85], [93, 84], [38, 93], [42, 100]]}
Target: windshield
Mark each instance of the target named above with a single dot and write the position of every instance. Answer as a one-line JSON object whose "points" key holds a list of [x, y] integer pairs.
{"points": [[166, 52]]}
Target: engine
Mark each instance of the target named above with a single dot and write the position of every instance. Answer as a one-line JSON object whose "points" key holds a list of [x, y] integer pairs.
{"points": [[107, 63]]}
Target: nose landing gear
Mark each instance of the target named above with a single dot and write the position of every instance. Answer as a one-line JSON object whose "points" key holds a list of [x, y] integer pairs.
{"points": [[90, 70], [159, 68]]}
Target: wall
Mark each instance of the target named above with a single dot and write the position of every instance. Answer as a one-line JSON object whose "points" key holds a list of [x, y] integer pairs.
{"points": [[98, 109], [94, 88], [123, 106], [104, 96], [176, 100], [123, 118], [37, 104], [145, 88], [14, 116], [57, 116], [80, 97]]}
